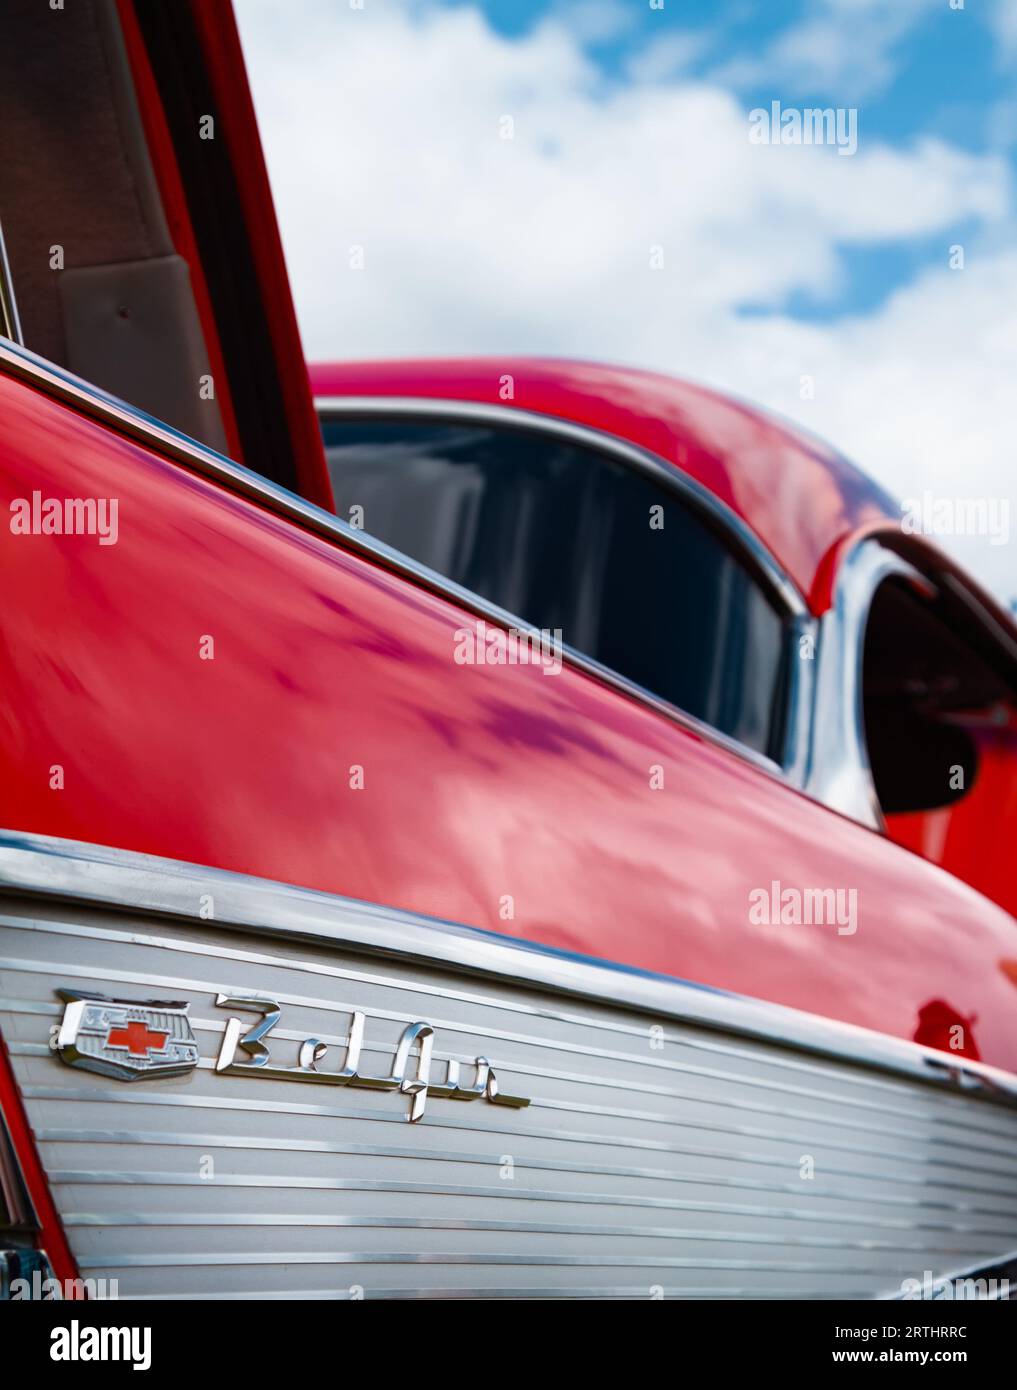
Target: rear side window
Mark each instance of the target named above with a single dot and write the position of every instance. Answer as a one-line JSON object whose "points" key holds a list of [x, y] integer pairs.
{"points": [[940, 715], [564, 536]]}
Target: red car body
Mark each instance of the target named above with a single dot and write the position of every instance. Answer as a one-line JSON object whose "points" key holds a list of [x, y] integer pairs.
{"points": [[493, 782], [205, 689]]}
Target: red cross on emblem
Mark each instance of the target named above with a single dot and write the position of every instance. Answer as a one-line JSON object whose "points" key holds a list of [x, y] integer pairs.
{"points": [[137, 1038]]}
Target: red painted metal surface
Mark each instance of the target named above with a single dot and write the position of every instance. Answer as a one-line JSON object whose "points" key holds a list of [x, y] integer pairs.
{"points": [[800, 496], [482, 785], [974, 837]]}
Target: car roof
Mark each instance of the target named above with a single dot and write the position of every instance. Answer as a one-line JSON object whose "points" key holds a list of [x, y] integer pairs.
{"points": [[800, 497]]}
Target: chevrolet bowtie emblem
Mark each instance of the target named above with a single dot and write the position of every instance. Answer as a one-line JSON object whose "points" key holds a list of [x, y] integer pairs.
{"points": [[124, 1038]]}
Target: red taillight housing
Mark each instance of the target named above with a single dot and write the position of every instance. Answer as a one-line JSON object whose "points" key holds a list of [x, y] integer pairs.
{"points": [[27, 1213]]}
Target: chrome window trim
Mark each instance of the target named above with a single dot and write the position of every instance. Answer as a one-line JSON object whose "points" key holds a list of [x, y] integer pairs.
{"points": [[801, 699], [741, 538], [10, 323], [838, 773], [71, 871], [587, 436], [99, 405]]}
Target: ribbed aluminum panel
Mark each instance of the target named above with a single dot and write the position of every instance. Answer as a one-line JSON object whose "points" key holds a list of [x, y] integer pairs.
{"points": [[657, 1158]]}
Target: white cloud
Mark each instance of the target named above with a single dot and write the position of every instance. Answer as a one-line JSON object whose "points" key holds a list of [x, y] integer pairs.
{"points": [[921, 393], [668, 56], [847, 49], [595, 21], [382, 131], [1002, 20]]}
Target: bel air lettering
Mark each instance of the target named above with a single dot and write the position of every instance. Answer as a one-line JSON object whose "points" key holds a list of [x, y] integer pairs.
{"points": [[410, 1074], [149, 1039]]}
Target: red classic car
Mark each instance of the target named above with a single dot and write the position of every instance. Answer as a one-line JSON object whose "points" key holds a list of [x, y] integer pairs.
{"points": [[560, 739]]}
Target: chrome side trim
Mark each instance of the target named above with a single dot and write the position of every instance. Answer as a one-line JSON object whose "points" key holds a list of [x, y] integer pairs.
{"points": [[62, 385], [515, 1292], [107, 1177], [801, 697], [218, 1220], [112, 1260], [64, 869]]}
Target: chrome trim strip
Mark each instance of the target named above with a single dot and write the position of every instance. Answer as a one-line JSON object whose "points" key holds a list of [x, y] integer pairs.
{"points": [[146, 1178], [64, 869], [169, 1140], [399, 1223], [10, 323], [113, 1260], [131, 1220], [502, 1291], [62, 385], [838, 772], [801, 698]]}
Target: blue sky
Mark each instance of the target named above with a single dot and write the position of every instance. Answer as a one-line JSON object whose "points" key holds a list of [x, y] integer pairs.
{"points": [[949, 78], [577, 178], [947, 72]]}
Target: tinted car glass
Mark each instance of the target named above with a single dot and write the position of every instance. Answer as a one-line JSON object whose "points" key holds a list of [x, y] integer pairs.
{"points": [[567, 537]]}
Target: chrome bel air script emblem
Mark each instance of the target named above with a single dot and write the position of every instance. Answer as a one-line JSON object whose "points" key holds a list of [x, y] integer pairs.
{"points": [[146, 1039], [411, 1068]]}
